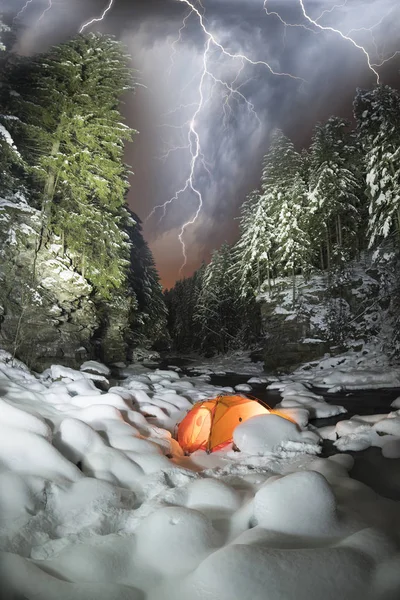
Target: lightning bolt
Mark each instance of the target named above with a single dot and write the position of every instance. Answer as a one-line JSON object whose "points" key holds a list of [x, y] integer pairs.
{"points": [[331, 10], [46, 10], [177, 40], [212, 45], [342, 35], [97, 19], [23, 9]]}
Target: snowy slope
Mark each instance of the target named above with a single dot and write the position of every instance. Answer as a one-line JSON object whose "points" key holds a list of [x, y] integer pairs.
{"points": [[98, 501]]}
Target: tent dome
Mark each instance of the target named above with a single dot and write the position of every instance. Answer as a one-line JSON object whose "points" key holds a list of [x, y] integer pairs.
{"points": [[209, 424]]}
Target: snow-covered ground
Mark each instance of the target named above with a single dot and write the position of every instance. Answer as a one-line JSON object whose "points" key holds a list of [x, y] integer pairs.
{"points": [[365, 369], [98, 501]]}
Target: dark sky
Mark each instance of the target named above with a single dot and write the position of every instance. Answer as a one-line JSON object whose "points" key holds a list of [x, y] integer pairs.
{"points": [[233, 137]]}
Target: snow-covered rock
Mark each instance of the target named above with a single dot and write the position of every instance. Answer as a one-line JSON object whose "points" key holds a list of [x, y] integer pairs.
{"points": [[264, 434]]}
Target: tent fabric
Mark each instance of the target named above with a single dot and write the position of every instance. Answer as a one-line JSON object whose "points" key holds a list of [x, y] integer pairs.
{"points": [[209, 424]]}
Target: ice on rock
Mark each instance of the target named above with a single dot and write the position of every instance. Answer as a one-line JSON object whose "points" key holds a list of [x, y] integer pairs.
{"points": [[388, 426], [362, 438], [264, 434], [328, 433], [396, 403], [60, 372], [362, 431], [92, 366], [258, 380], [300, 504], [243, 387], [159, 375], [347, 427], [298, 395]]}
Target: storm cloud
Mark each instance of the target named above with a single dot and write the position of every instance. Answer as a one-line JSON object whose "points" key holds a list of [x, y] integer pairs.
{"points": [[233, 137]]}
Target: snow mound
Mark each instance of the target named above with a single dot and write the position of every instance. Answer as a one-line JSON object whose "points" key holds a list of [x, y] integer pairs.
{"points": [[173, 540], [299, 395], [300, 504], [362, 432], [265, 434], [246, 571]]}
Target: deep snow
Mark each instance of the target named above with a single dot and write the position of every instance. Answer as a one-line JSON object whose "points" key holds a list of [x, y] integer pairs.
{"points": [[98, 501]]}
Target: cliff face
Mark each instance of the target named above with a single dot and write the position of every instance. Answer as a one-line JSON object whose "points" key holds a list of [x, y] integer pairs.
{"points": [[331, 314], [45, 306]]}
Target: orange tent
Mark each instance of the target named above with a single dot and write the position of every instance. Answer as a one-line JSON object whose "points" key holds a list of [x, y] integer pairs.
{"points": [[209, 424]]}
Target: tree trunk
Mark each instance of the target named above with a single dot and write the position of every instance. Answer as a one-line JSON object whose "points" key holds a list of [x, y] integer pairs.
{"points": [[328, 249], [294, 285], [398, 222], [339, 229], [321, 257]]}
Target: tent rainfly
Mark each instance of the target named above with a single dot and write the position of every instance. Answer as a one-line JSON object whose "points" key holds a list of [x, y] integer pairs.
{"points": [[209, 424]]}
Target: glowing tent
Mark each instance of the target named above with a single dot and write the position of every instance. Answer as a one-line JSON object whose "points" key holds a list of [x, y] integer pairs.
{"points": [[209, 424]]}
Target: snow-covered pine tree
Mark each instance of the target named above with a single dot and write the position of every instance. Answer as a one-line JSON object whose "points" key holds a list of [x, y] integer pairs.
{"points": [[70, 131], [335, 187], [149, 321], [3, 28], [293, 242], [378, 121], [182, 302], [216, 312], [284, 195], [253, 260], [280, 164]]}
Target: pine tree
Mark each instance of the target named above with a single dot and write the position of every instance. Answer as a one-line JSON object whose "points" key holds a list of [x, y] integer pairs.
{"points": [[293, 243], [149, 321], [70, 129], [216, 312], [3, 28], [334, 192], [284, 194], [182, 303], [378, 116], [280, 165], [253, 253]]}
